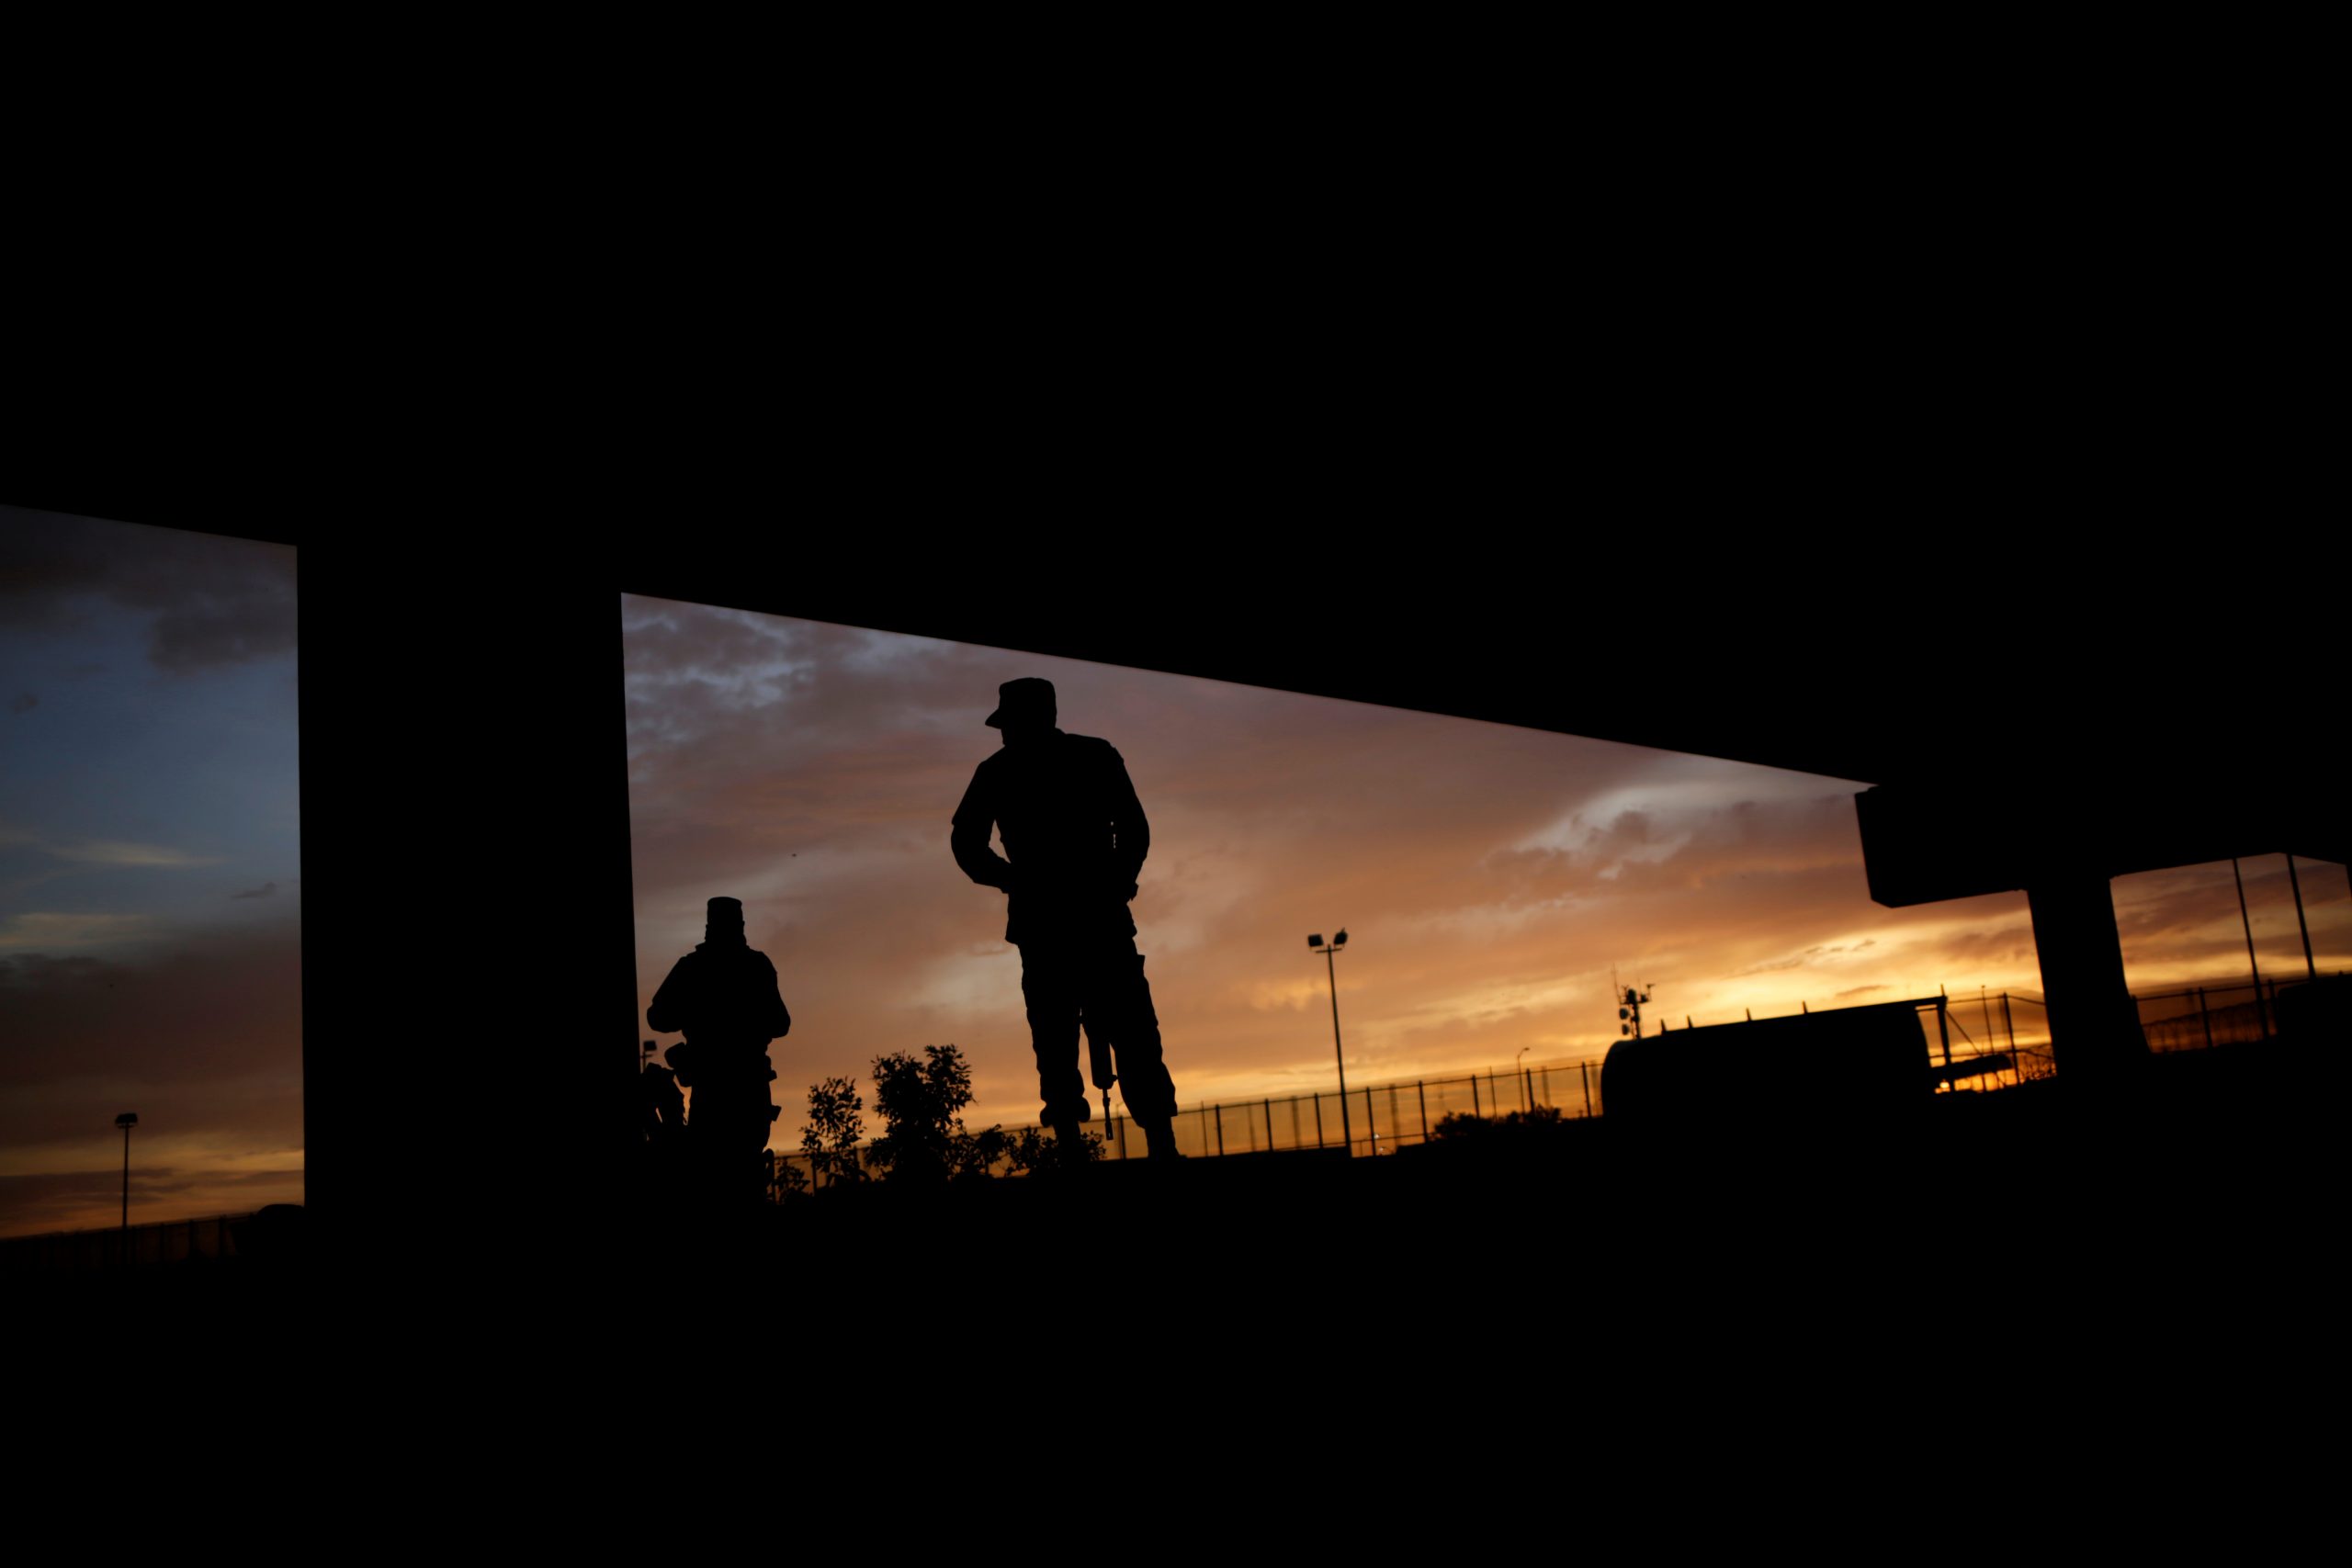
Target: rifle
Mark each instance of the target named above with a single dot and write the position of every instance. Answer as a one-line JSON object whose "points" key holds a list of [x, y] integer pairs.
{"points": [[1098, 1061]]}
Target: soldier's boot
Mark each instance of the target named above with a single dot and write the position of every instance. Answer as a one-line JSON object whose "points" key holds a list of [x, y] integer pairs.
{"points": [[1159, 1139], [1069, 1141]]}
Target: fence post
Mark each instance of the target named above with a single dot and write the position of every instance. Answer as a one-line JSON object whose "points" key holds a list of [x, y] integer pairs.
{"points": [[2206, 1014], [1318, 1120], [1584, 1071], [1473, 1096], [1218, 1111], [2311, 965], [1422, 1090], [2251, 962], [1944, 1030]]}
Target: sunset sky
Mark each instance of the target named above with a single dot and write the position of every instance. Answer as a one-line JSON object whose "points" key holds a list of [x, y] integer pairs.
{"points": [[1487, 876], [150, 874]]}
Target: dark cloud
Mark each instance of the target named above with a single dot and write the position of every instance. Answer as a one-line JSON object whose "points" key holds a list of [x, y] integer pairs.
{"points": [[263, 891], [1996, 945], [58, 1199], [24, 702], [216, 600], [215, 1006], [202, 1038], [147, 1183], [57, 1121], [26, 972], [1798, 961]]}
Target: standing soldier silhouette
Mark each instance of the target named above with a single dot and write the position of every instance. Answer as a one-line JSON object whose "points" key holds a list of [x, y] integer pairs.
{"points": [[1074, 840], [723, 996]]}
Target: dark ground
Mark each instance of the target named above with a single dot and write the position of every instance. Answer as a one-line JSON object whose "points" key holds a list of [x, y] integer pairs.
{"points": [[2027, 1289]]}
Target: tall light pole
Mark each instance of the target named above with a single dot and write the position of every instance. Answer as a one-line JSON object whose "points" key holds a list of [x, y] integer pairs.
{"points": [[1347, 1136], [127, 1120]]}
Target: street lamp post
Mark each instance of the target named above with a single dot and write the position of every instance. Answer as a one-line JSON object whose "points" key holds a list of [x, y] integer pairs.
{"points": [[1347, 1135], [127, 1120]]}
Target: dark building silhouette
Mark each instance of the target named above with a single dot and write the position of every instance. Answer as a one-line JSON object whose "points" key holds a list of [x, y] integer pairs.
{"points": [[1836, 1067]]}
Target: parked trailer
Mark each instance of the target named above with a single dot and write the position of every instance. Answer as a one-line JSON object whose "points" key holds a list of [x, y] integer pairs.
{"points": [[1827, 1066]]}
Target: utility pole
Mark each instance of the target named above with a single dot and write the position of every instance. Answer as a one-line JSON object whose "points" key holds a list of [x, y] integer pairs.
{"points": [[1630, 1007], [1347, 1135]]}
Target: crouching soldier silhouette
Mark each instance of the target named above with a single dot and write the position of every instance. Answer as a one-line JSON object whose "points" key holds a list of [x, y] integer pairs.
{"points": [[723, 997], [1074, 840]]}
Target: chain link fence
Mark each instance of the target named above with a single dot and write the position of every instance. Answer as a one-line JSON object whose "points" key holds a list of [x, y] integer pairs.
{"points": [[1992, 1041], [169, 1241], [1371, 1121]]}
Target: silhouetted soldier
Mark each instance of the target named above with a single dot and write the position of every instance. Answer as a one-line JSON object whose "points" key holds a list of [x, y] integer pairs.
{"points": [[1074, 840], [723, 996]]}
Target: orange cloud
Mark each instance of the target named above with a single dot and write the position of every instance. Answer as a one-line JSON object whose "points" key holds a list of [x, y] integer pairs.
{"points": [[1489, 877]]}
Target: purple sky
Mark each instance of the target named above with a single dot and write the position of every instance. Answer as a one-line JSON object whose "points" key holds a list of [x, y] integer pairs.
{"points": [[150, 872]]}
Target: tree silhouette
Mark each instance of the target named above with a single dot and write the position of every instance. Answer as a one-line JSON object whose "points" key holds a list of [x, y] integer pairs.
{"points": [[920, 1102], [835, 1127], [1456, 1127], [974, 1154], [1032, 1149], [786, 1179]]}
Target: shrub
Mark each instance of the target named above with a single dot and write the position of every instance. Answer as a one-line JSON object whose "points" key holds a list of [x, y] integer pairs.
{"points": [[921, 1102], [835, 1127]]}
